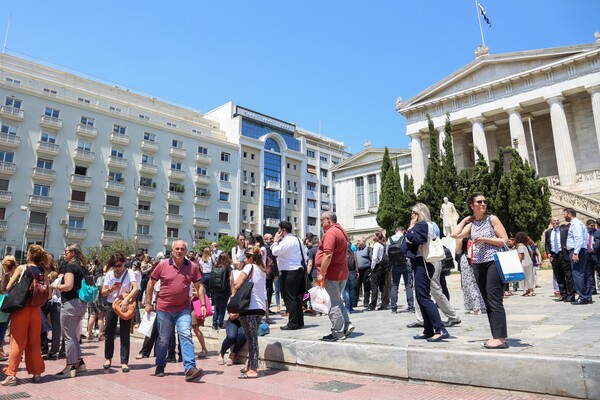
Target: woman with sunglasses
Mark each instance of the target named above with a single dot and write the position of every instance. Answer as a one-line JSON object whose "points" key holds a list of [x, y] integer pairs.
{"points": [[118, 281], [488, 236], [72, 309]]}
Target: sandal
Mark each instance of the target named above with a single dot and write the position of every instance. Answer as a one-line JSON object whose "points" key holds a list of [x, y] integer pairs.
{"points": [[9, 381], [246, 376], [221, 361], [229, 362], [107, 364], [125, 368], [203, 353]]}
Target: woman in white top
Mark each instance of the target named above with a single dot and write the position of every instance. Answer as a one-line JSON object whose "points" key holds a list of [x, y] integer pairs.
{"points": [[521, 240], [257, 271], [118, 281], [237, 252], [205, 263]]}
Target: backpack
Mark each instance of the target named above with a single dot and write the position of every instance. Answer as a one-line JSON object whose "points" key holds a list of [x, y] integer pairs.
{"points": [[385, 261], [218, 279], [38, 290], [351, 262], [88, 290], [395, 253], [448, 262]]}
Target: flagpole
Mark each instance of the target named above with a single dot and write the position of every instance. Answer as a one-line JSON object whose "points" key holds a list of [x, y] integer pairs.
{"points": [[6, 36], [479, 20]]}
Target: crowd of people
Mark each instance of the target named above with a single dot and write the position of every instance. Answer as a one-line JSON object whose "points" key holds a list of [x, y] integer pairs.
{"points": [[181, 290]]}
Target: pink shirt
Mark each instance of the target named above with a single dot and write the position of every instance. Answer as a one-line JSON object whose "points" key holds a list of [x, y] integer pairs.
{"points": [[174, 294]]}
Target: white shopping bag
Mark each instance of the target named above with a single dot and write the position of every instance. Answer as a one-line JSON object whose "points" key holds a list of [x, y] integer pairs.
{"points": [[147, 323], [509, 266], [319, 299]]}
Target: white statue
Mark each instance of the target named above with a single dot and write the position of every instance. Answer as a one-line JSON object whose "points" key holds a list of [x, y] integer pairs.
{"points": [[449, 216]]}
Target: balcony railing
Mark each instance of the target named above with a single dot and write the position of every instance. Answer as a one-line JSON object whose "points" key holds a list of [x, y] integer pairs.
{"points": [[203, 158], [53, 123], [87, 131], [143, 239], [16, 114], [7, 168], [149, 145], [202, 179], [149, 169], [115, 186], [5, 196], [119, 138], [272, 185], [76, 233], [146, 192], [46, 148], [175, 196], [201, 222], [84, 156], [40, 201], [3, 225], [117, 162], [43, 174], [176, 174], [177, 152], [112, 211], [8, 140], [272, 222], [78, 206], [110, 236], [201, 201], [35, 229], [144, 215], [81, 180], [174, 219]]}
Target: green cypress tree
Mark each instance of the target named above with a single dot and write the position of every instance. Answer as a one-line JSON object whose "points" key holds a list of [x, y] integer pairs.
{"points": [[429, 193], [409, 200], [463, 191], [401, 197], [388, 195], [449, 180]]}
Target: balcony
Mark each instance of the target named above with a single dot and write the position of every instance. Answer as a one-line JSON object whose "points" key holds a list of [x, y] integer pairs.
{"points": [[119, 139], [203, 158], [177, 152], [87, 131], [169, 241], [8, 140], [201, 222], [146, 192], [40, 201], [5, 197], [272, 222], [143, 239], [176, 174], [114, 186], [32, 229], [149, 169], [144, 215], [85, 157], [3, 226], [112, 211], [272, 185], [149, 146], [52, 123], [201, 201], [43, 174], [81, 181], [47, 149], [110, 236], [117, 162], [79, 207], [202, 179], [7, 168], [76, 233], [174, 219], [325, 207], [175, 197], [16, 114]]}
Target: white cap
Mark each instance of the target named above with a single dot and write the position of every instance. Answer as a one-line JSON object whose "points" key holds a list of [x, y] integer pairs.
{"points": [[160, 255]]}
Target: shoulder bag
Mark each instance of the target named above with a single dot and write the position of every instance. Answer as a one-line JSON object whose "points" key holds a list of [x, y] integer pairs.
{"points": [[116, 305], [18, 295], [240, 301]]}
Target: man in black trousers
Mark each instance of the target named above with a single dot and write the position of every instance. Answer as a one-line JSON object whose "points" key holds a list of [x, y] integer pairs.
{"points": [[556, 239]]}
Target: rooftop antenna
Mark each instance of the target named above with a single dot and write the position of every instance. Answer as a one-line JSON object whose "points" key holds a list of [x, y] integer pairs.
{"points": [[6, 36]]}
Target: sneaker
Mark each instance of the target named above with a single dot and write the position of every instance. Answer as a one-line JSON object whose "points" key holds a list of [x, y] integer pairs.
{"points": [[415, 324], [349, 330], [193, 374], [451, 322], [331, 338], [159, 371]]}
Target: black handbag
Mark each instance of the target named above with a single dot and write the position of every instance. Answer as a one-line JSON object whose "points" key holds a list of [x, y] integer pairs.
{"points": [[240, 301], [18, 295]]}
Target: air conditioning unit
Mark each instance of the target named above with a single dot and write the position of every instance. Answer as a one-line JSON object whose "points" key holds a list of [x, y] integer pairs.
{"points": [[62, 222]]}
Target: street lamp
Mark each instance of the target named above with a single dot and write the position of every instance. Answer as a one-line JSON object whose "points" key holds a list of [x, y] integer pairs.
{"points": [[26, 209]]}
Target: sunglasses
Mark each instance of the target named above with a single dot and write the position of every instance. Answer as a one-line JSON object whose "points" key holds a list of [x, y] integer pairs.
{"points": [[481, 202]]}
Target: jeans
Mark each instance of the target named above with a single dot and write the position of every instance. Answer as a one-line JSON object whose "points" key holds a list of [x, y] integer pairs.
{"points": [[349, 291], [206, 284], [277, 284], [234, 336], [581, 275], [219, 306], [406, 275], [337, 313], [183, 321]]}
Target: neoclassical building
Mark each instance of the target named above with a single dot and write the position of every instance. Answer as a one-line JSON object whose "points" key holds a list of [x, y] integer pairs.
{"points": [[545, 103]]}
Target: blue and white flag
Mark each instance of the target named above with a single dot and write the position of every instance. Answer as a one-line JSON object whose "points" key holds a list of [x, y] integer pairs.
{"points": [[484, 15]]}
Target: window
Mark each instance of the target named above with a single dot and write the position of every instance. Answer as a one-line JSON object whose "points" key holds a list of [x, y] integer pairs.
{"points": [[323, 159], [6, 156], [173, 209], [225, 156], [295, 201], [48, 137], [120, 129], [252, 193], [50, 91], [144, 117], [311, 186], [223, 196], [144, 205], [223, 217], [151, 137], [116, 153], [13, 102], [13, 81], [176, 165], [4, 184], [251, 216], [201, 171], [115, 109], [245, 154], [310, 153], [252, 156], [11, 130], [311, 221], [335, 160], [146, 159], [289, 186], [202, 150], [200, 191], [78, 195], [82, 100], [360, 193], [83, 145], [80, 170], [244, 191], [115, 176], [324, 189], [288, 165], [272, 145], [111, 226], [225, 176], [199, 235], [178, 144], [146, 182], [41, 190], [372, 182], [87, 121], [245, 176], [172, 232], [311, 203], [45, 164], [295, 167], [75, 222], [172, 125], [51, 112], [323, 173], [288, 200], [244, 218], [113, 201], [143, 229], [252, 178]]}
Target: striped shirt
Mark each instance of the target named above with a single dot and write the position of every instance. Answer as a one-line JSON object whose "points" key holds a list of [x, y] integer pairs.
{"points": [[483, 252]]}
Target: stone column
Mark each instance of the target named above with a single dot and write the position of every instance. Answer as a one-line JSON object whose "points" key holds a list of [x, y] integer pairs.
{"points": [[565, 158], [418, 162], [442, 132], [491, 140], [479, 141], [595, 94], [517, 133]]}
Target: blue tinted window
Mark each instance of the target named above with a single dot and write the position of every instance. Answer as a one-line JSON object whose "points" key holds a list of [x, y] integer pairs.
{"points": [[256, 130], [272, 145], [272, 167]]}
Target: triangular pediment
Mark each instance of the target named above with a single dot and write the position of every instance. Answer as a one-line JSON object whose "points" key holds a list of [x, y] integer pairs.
{"points": [[492, 68], [369, 155]]}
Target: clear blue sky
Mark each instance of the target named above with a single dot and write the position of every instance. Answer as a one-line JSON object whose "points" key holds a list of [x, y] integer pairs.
{"points": [[330, 66]]}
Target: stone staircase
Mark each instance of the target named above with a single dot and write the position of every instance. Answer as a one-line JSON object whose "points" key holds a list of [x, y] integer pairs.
{"points": [[587, 206]]}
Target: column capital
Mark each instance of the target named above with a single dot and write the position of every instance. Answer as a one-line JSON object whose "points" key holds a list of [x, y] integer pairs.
{"points": [[490, 127], [515, 109], [593, 89], [477, 120], [415, 135], [555, 99]]}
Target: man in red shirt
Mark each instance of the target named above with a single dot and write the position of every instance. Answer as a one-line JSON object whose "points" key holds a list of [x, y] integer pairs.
{"points": [[332, 266], [173, 307]]}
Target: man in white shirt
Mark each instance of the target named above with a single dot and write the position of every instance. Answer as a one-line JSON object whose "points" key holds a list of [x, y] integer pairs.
{"points": [[577, 239], [290, 259]]}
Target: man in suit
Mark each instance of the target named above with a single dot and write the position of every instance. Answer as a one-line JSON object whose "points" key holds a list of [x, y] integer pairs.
{"points": [[593, 245], [556, 239], [577, 239]]}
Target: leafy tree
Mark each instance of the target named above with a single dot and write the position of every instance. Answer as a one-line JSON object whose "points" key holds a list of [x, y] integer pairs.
{"points": [[226, 243], [127, 247], [201, 245], [429, 193], [387, 212], [464, 186], [449, 176]]}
